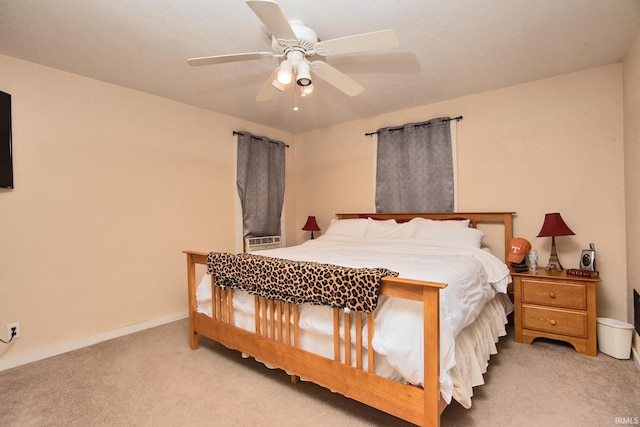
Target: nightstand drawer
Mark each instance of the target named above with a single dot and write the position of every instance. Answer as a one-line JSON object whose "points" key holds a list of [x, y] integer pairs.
{"points": [[555, 321], [547, 293]]}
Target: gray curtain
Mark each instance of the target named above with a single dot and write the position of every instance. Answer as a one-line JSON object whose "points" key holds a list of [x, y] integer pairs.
{"points": [[415, 168], [260, 184]]}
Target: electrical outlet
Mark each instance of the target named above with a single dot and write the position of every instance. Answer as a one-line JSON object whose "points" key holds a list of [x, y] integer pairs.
{"points": [[10, 326]]}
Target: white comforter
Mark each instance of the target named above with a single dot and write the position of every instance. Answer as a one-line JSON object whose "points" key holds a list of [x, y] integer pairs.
{"points": [[473, 275]]}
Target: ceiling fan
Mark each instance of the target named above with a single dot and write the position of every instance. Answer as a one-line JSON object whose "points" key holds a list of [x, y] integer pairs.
{"points": [[294, 43]]}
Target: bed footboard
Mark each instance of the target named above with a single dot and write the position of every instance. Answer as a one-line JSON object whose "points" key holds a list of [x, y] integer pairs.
{"points": [[276, 341]]}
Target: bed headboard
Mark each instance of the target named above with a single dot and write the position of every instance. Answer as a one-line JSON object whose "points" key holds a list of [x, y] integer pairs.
{"points": [[475, 218]]}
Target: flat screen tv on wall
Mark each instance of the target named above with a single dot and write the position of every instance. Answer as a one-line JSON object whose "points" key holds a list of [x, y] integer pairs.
{"points": [[6, 158]]}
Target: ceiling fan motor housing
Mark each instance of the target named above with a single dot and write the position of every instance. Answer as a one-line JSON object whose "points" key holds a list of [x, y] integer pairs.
{"points": [[306, 39]]}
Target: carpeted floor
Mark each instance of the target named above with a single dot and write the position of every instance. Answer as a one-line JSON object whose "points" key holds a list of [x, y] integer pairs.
{"points": [[152, 378]]}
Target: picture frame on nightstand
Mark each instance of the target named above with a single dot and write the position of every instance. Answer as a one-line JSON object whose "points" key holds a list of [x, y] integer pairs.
{"points": [[588, 259]]}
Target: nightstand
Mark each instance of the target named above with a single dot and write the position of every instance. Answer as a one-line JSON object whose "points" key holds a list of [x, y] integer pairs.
{"points": [[555, 305]]}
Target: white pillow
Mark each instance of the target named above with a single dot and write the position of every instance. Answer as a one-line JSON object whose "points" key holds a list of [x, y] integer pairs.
{"points": [[456, 235], [423, 225], [347, 227], [389, 229], [442, 223]]}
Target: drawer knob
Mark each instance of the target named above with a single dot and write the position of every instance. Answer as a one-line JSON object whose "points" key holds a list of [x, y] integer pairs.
{"points": [[552, 322], [552, 295]]}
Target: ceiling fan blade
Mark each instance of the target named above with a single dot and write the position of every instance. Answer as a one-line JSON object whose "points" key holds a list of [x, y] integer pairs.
{"points": [[272, 17], [234, 57], [336, 78], [385, 39], [269, 89]]}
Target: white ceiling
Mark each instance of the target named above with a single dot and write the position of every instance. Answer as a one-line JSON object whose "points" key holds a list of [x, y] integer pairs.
{"points": [[447, 49]]}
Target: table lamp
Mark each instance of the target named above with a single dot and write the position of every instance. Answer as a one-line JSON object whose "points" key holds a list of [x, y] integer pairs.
{"points": [[554, 226], [311, 225]]}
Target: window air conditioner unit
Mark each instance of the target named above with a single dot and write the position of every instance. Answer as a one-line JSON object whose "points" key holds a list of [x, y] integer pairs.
{"points": [[259, 243]]}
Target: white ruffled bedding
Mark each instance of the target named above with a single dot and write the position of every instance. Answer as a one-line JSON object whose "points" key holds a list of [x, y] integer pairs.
{"points": [[474, 277]]}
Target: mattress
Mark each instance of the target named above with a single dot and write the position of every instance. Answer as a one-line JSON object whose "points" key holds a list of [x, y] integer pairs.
{"points": [[473, 307]]}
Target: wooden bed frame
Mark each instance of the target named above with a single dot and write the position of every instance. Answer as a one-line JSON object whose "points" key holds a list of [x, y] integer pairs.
{"points": [[277, 341]]}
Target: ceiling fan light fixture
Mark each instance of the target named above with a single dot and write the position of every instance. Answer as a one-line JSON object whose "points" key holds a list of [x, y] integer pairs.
{"points": [[303, 77], [285, 72]]}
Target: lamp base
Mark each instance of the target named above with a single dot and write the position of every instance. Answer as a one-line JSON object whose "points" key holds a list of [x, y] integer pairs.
{"points": [[554, 262]]}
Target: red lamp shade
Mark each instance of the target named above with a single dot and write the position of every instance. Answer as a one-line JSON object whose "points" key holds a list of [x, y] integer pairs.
{"points": [[311, 225], [554, 225]]}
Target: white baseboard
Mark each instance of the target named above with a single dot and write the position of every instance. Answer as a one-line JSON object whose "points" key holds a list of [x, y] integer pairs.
{"points": [[85, 342]]}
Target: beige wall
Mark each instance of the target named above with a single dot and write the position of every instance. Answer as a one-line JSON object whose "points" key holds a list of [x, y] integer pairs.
{"points": [[547, 146], [110, 186], [631, 73]]}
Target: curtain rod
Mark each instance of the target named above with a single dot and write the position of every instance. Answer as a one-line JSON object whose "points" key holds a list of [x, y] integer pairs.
{"points": [[257, 137], [457, 119]]}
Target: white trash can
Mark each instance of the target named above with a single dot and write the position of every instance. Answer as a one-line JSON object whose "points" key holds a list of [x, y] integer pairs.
{"points": [[614, 337]]}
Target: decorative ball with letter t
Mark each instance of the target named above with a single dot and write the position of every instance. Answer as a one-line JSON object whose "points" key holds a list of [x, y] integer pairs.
{"points": [[518, 249], [554, 226]]}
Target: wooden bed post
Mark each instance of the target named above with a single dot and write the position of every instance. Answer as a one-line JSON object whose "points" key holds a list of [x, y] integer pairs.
{"points": [[431, 331], [191, 281], [508, 233], [193, 258]]}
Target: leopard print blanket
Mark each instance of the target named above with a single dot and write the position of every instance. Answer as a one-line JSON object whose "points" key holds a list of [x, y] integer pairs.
{"points": [[299, 281]]}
